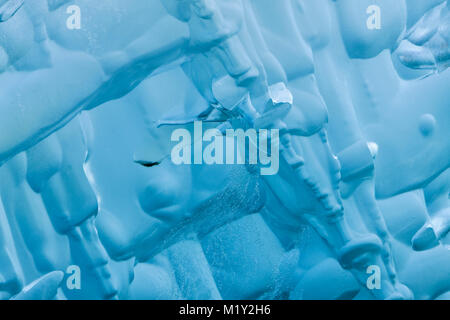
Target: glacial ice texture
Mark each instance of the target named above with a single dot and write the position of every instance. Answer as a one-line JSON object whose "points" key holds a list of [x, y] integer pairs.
{"points": [[93, 205]]}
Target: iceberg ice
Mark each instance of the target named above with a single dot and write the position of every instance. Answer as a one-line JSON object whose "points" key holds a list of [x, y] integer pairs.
{"points": [[95, 94]]}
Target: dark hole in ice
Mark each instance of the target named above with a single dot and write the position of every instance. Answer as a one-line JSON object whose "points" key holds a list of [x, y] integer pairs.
{"points": [[148, 164]]}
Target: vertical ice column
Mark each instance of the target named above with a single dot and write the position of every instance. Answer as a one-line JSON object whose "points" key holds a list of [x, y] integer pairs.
{"points": [[345, 136], [333, 228], [71, 203], [25, 209]]}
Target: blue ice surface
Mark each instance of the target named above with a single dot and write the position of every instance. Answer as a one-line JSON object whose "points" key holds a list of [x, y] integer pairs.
{"points": [[92, 207]]}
